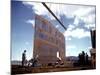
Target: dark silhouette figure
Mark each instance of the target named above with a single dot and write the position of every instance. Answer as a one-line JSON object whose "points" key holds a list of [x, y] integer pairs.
{"points": [[80, 59], [23, 58], [83, 58], [86, 59]]}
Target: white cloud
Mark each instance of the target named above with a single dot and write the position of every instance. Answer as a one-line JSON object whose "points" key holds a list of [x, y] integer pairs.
{"points": [[84, 11], [31, 22], [77, 33], [38, 8], [59, 9], [70, 27], [90, 19], [85, 14], [76, 21], [57, 26], [90, 26]]}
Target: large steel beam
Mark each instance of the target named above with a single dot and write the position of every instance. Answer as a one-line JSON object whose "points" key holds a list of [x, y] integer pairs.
{"points": [[54, 15]]}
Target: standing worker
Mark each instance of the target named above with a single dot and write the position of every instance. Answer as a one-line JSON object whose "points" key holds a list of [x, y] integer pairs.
{"points": [[23, 58]]}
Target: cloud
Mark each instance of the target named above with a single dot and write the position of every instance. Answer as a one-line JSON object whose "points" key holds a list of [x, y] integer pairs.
{"points": [[82, 14], [58, 9], [87, 14], [61, 9], [90, 26], [90, 19], [84, 11], [31, 22], [57, 26], [76, 21], [70, 27], [79, 13], [77, 33], [38, 8]]}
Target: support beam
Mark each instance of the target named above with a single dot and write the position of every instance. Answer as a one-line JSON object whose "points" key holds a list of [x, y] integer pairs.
{"points": [[53, 15]]}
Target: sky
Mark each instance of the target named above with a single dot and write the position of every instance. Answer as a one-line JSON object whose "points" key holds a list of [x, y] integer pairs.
{"points": [[78, 19]]}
